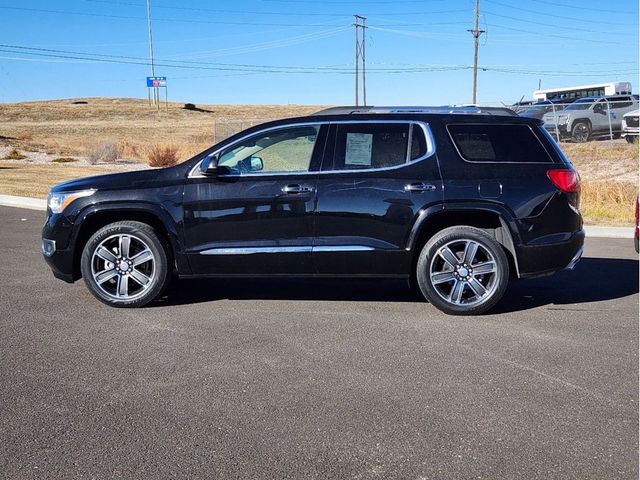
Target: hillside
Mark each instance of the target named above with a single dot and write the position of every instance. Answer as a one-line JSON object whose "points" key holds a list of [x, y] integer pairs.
{"points": [[66, 127]]}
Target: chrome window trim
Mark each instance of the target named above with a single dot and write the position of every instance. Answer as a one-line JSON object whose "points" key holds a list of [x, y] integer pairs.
{"points": [[194, 173], [285, 249]]}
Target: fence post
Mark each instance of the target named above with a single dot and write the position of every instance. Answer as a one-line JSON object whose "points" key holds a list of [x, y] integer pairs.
{"points": [[609, 117], [555, 121]]}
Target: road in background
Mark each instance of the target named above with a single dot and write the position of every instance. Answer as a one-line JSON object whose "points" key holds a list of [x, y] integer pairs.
{"points": [[327, 379]]}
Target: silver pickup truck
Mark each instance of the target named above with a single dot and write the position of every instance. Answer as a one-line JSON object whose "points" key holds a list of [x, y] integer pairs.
{"points": [[590, 117]]}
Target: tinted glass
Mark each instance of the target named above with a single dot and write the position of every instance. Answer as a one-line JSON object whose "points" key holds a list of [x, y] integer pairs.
{"points": [[284, 150], [373, 145], [581, 104], [418, 143], [619, 102], [498, 143]]}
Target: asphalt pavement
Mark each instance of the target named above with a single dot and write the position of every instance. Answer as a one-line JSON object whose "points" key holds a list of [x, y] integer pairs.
{"points": [[317, 378]]}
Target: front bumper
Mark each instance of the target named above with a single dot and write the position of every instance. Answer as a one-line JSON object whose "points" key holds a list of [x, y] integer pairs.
{"points": [[561, 130], [56, 247]]}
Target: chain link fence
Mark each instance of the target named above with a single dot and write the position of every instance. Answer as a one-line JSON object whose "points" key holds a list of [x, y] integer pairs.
{"points": [[583, 119]]}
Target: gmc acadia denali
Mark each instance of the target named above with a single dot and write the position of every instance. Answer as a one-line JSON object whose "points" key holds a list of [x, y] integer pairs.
{"points": [[456, 200]]}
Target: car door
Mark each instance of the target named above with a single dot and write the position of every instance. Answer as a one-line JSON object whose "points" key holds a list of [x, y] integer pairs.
{"points": [[255, 215], [618, 107], [376, 177], [599, 116]]}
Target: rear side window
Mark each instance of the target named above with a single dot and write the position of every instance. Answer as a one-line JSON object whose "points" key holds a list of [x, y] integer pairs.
{"points": [[619, 102], [498, 143], [373, 145]]}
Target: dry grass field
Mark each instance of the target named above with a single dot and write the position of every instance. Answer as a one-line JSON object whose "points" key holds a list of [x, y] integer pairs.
{"points": [[64, 127], [46, 130]]}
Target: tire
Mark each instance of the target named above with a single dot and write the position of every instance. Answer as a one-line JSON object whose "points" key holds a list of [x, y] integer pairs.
{"points": [[130, 280], [466, 292], [581, 132], [630, 139]]}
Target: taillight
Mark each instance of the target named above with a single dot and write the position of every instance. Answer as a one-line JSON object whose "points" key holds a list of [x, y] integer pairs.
{"points": [[565, 179]]}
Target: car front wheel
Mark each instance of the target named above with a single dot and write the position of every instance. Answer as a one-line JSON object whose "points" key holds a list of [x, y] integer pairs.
{"points": [[581, 132], [462, 271], [125, 264]]}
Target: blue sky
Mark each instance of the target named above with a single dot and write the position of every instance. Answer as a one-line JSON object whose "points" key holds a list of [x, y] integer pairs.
{"points": [[301, 51]]}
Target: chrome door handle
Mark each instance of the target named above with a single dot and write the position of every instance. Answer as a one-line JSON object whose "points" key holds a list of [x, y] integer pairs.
{"points": [[419, 187], [296, 189]]}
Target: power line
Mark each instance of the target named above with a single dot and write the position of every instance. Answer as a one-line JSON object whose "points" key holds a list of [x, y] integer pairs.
{"points": [[563, 17], [582, 7], [249, 68], [561, 27], [190, 21], [179, 20], [286, 14]]}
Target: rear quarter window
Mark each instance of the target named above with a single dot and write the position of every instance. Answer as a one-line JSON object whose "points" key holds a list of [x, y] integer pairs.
{"points": [[498, 143]]}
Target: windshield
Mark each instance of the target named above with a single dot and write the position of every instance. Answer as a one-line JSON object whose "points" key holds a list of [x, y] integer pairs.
{"points": [[581, 105], [533, 111]]}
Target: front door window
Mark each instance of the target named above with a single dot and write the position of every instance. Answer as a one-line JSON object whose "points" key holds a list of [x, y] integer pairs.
{"points": [[284, 150]]}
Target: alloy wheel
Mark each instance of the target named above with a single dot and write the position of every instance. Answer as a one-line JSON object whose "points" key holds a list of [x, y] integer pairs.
{"points": [[581, 132], [464, 272], [123, 266]]}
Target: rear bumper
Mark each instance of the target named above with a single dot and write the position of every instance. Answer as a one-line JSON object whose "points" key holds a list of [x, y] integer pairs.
{"points": [[538, 260]]}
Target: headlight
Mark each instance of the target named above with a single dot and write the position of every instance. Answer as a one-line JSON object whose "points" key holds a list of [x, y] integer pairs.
{"points": [[57, 202], [562, 119]]}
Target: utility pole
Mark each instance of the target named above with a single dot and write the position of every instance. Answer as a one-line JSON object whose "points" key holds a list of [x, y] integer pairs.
{"points": [[156, 100], [476, 35], [360, 24]]}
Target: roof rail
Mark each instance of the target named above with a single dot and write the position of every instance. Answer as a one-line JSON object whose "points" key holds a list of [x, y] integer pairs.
{"points": [[444, 109]]}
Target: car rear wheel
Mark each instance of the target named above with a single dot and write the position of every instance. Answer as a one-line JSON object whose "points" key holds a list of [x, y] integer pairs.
{"points": [[581, 132], [462, 271], [125, 264]]}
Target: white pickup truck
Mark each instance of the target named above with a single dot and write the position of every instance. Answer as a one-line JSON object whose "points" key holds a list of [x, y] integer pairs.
{"points": [[590, 117], [630, 128]]}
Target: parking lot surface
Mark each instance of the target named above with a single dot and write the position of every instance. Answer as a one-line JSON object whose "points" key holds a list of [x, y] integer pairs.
{"points": [[317, 379]]}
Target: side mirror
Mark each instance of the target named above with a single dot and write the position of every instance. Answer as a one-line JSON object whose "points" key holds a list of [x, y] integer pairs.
{"points": [[209, 166], [256, 164]]}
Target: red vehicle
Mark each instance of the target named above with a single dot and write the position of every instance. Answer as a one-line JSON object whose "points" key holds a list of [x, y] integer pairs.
{"points": [[637, 233]]}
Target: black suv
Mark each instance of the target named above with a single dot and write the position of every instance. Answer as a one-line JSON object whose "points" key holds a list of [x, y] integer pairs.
{"points": [[457, 200]]}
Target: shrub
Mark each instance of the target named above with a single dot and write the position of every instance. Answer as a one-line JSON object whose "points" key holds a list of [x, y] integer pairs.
{"points": [[64, 160], [106, 152], [128, 150], [162, 156], [14, 155]]}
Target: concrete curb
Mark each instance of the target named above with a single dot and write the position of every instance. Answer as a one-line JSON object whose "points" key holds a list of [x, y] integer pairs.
{"points": [[38, 204], [23, 202], [609, 232]]}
